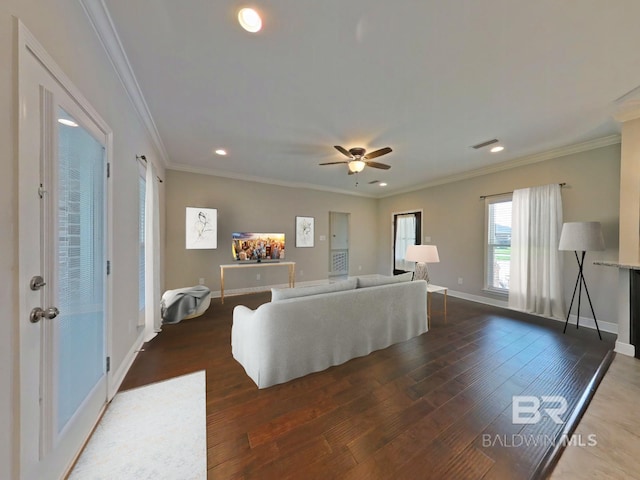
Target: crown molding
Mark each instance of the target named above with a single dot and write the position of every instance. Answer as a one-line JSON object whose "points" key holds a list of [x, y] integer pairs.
{"points": [[627, 111], [518, 162], [102, 23], [181, 167]]}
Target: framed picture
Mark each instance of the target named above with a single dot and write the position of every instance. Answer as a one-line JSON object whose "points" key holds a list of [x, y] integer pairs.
{"points": [[201, 228], [304, 232]]}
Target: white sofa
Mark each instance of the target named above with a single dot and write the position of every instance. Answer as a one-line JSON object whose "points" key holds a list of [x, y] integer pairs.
{"points": [[291, 337]]}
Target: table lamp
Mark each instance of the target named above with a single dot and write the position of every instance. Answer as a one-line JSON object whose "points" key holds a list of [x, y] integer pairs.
{"points": [[422, 254]]}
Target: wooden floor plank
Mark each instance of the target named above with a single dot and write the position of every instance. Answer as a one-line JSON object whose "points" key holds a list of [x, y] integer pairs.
{"points": [[416, 409]]}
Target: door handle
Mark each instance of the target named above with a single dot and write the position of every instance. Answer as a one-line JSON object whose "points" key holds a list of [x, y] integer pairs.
{"points": [[38, 313]]}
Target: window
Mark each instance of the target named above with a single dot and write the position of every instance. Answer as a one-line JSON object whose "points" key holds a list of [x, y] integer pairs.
{"points": [[142, 187], [498, 243]]}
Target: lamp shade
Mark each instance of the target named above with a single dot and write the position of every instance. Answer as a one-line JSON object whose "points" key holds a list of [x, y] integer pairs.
{"points": [[422, 254], [581, 237]]}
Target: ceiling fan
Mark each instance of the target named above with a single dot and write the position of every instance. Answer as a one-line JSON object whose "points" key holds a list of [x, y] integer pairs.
{"points": [[358, 158]]}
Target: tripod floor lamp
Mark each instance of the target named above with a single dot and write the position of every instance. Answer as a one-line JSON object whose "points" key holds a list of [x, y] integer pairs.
{"points": [[581, 237]]}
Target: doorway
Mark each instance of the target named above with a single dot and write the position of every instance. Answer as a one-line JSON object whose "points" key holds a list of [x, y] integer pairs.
{"points": [[63, 283], [339, 244]]}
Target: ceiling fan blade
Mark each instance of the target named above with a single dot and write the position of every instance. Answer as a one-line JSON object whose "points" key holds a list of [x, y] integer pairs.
{"points": [[343, 151], [383, 166], [332, 163], [377, 153]]}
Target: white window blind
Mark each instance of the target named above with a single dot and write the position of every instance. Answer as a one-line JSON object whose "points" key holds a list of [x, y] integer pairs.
{"points": [[498, 243]]}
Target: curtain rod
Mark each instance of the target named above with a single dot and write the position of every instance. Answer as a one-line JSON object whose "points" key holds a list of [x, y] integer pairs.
{"points": [[143, 158], [482, 197]]}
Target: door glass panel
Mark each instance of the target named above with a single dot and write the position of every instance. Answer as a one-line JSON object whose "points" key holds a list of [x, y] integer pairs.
{"points": [[406, 234], [80, 280], [141, 254]]}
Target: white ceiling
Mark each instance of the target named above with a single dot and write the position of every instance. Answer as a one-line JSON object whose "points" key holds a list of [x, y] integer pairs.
{"points": [[428, 78]]}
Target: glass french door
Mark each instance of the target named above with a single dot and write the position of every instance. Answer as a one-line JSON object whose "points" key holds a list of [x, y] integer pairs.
{"points": [[79, 266], [62, 251], [407, 228]]}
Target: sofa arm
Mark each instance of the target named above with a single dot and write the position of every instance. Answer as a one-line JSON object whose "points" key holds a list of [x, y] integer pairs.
{"points": [[245, 340], [241, 328], [242, 313]]}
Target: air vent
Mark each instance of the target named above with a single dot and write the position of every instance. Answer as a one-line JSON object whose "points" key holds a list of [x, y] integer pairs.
{"points": [[373, 182], [485, 144]]}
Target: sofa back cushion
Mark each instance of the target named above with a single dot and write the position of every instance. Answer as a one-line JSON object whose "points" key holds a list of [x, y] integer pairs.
{"points": [[375, 281], [286, 293]]}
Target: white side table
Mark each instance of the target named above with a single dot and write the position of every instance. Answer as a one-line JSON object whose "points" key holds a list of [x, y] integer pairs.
{"points": [[431, 289]]}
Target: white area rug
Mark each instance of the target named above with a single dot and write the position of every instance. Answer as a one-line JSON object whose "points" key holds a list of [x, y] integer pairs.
{"points": [[157, 431]]}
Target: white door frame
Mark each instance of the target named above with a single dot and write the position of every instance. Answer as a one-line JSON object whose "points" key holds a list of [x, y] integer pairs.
{"points": [[28, 392]]}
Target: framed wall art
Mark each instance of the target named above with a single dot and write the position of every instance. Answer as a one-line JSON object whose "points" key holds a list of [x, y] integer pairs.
{"points": [[201, 228], [304, 232]]}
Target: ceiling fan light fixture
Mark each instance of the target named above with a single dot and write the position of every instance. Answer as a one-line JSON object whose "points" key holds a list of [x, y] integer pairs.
{"points": [[250, 20], [356, 166]]}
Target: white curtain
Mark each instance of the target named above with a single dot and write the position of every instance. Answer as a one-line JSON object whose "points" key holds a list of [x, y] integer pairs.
{"points": [[153, 321], [535, 285], [405, 236]]}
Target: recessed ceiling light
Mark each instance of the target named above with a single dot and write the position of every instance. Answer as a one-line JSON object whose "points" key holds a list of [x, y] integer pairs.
{"points": [[221, 151], [497, 148], [382, 184], [67, 122], [250, 20]]}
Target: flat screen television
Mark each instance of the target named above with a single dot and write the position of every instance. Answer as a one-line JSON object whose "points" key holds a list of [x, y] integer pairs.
{"points": [[257, 247]]}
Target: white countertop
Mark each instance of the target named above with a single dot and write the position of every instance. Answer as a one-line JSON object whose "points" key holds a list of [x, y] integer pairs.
{"points": [[629, 266]]}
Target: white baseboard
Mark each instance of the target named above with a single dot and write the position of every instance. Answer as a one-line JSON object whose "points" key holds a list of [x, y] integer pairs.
{"points": [[117, 377], [609, 327], [625, 349], [478, 299]]}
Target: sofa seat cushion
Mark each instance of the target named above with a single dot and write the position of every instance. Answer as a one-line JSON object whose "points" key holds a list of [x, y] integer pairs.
{"points": [[278, 294]]}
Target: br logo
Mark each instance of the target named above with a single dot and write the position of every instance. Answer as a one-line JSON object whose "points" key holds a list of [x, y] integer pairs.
{"points": [[526, 408]]}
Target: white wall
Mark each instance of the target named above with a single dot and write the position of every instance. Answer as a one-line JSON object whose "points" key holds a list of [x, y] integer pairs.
{"points": [[62, 27], [259, 207], [454, 217], [630, 194]]}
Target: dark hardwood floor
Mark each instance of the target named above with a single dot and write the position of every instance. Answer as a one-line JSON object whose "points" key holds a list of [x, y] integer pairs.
{"points": [[437, 406]]}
